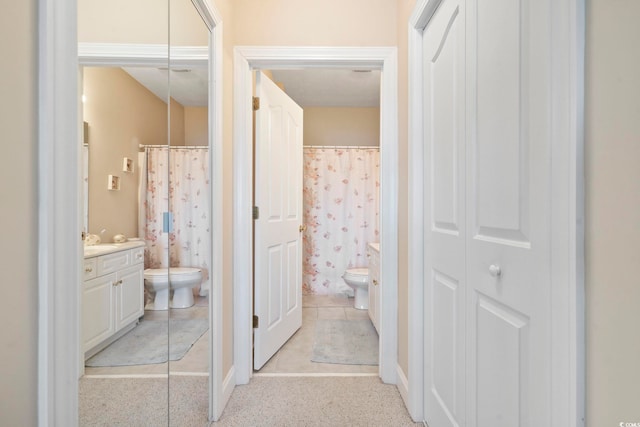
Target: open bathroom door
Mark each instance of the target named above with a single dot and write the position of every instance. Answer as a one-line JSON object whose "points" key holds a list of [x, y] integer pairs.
{"points": [[278, 228]]}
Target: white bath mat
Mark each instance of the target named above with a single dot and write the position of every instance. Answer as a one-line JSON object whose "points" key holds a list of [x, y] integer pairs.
{"points": [[345, 342], [147, 343]]}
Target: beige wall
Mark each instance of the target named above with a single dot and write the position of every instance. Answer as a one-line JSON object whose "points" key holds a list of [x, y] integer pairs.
{"points": [[225, 9], [341, 126], [315, 23], [405, 8], [613, 212], [177, 123], [121, 114], [196, 126], [18, 214], [123, 21]]}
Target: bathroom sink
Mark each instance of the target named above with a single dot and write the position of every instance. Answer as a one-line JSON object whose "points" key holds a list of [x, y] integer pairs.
{"points": [[98, 249]]}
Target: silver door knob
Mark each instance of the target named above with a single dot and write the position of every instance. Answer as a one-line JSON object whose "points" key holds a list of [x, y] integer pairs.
{"points": [[494, 270]]}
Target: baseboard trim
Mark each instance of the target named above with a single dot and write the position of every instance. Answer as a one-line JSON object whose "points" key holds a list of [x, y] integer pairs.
{"points": [[313, 374], [403, 386], [227, 387]]}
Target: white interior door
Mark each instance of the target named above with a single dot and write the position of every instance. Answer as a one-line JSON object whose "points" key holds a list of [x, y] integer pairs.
{"points": [[278, 238], [487, 245], [508, 213], [445, 229]]}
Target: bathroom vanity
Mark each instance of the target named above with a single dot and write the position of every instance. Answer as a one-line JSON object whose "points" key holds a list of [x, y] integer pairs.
{"points": [[112, 293], [373, 252]]}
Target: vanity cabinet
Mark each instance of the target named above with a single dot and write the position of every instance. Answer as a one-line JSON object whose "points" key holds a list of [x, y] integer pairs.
{"points": [[112, 297], [373, 253]]}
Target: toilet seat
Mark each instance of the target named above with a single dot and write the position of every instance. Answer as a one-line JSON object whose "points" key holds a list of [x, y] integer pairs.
{"points": [[178, 275], [359, 275]]}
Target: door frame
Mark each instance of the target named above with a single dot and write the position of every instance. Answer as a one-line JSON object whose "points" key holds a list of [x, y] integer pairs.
{"points": [[59, 214], [567, 216], [249, 58]]}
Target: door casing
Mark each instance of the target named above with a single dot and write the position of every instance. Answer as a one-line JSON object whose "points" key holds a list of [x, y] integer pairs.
{"points": [[247, 59]]}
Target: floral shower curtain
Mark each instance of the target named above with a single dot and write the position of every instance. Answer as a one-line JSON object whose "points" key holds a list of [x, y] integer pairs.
{"points": [[179, 178], [341, 211]]}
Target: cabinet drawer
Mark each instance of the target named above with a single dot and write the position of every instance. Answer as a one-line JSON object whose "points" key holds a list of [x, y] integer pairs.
{"points": [[90, 268], [113, 262], [137, 255]]}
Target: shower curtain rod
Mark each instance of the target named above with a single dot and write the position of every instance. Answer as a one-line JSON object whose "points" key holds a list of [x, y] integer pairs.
{"points": [[343, 147], [142, 146]]}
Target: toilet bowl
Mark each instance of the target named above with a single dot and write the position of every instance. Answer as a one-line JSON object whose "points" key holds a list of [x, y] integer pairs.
{"points": [[183, 280], [358, 279]]}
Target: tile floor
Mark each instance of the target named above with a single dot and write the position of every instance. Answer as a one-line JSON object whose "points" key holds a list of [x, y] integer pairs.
{"points": [[293, 357], [195, 360]]}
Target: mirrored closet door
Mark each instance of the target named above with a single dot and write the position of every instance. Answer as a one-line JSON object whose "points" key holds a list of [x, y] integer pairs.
{"points": [[144, 300], [189, 249]]}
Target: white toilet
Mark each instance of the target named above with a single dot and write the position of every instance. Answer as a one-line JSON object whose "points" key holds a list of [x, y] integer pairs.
{"points": [[183, 280], [358, 279]]}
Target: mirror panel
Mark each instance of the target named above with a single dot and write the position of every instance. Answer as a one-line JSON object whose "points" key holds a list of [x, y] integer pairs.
{"points": [[147, 121], [130, 342], [190, 246]]}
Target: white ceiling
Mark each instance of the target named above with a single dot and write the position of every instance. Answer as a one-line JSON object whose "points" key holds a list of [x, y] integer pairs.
{"points": [[331, 87], [188, 86], [309, 87]]}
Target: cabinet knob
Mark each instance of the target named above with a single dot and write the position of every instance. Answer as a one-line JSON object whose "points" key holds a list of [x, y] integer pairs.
{"points": [[88, 270], [495, 270], [375, 282], [119, 282]]}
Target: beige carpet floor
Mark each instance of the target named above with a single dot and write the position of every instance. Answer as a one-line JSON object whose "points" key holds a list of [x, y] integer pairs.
{"points": [[315, 401], [266, 401]]}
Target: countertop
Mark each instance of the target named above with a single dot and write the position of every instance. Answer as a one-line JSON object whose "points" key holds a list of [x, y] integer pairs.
{"points": [[108, 248]]}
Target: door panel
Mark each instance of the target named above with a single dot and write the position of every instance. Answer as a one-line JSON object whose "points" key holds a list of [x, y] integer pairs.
{"points": [[487, 116], [502, 364], [501, 151], [274, 264], [508, 201], [278, 192], [445, 309], [444, 133]]}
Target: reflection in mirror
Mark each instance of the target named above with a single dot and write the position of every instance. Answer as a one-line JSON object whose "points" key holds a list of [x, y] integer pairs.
{"points": [[190, 241], [125, 351], [122, 342], [135, 113]]}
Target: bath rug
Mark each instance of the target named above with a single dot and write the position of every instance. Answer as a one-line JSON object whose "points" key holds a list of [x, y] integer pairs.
{"points": [[346, 342], [147, 343]]}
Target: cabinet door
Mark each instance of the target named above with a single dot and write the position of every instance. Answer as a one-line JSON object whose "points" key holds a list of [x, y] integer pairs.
{"points": [[372, 297], [129, 296], [376, 299], [374, 289], [97, 313]]}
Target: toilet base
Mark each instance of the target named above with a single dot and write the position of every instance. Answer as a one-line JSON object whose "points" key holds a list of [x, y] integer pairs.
{"points": [[361, 298], [182, 298], [160, 301]]}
